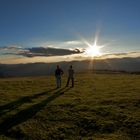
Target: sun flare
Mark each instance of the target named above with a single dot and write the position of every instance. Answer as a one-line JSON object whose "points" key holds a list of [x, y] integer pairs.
{"points": [[93, 50]]}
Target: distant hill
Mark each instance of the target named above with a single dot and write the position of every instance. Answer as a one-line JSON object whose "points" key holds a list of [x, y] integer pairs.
{"points": [[40, 69]]}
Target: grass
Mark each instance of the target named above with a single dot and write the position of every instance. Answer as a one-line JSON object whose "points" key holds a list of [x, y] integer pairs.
{"points": [[99, 107]]}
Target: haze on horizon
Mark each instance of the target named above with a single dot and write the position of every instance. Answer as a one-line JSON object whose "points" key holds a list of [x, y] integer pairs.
{"points": [[56, 30]]}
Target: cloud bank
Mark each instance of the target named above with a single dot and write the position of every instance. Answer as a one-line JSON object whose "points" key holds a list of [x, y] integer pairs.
{"points": [[41, 51], [53, 52], [46, 49]]}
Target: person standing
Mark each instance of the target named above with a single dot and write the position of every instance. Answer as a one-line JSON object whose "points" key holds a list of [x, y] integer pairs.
{"points": [[58, 73], [70, 76]]}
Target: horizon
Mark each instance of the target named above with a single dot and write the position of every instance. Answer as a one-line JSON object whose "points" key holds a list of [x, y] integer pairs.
{"points": [[51, 30]]}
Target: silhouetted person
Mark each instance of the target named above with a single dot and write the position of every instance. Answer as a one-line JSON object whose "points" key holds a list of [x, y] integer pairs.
{"points": [[58, 73], [70, 76]]}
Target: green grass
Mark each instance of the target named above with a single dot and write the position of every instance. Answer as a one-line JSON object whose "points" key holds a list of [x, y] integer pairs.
{"points": [[99, 107]]}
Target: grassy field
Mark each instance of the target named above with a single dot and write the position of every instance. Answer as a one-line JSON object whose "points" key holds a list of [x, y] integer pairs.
{"points": [[99, 107]]}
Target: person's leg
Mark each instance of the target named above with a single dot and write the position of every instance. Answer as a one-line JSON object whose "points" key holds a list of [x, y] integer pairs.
{"points": [[57, 81], [72, 80], [68, 81]]}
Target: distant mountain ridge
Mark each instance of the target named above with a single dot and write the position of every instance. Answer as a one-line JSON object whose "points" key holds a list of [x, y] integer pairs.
{"points": [[40, 69]]}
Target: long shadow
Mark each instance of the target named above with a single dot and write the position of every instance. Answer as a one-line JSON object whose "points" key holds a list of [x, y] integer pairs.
{"points": [[15, 104], [28, 113]]}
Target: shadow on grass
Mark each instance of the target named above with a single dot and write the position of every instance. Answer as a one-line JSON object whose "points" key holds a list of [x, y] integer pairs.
{"points": [[28, 113], [15, 104]]}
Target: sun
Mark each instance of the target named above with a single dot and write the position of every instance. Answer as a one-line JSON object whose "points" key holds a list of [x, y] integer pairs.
{"points": [[93, 50]]}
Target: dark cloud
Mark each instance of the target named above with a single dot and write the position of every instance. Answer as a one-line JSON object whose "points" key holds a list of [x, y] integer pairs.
{"points": [[41, 51]]}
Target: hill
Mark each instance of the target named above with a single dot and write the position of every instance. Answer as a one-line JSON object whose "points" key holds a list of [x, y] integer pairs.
{"points": [[42, 69], [99, 107]]}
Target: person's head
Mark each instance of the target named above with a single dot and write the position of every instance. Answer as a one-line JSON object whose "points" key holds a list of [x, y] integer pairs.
{"points": [[57, 66], [71, 66]]}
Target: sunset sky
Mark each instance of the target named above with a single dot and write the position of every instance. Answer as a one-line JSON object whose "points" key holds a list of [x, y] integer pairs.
{"points": [[28, 25]]}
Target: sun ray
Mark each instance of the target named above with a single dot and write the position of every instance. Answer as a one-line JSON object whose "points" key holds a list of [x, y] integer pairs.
{"points": [[93, 49]]}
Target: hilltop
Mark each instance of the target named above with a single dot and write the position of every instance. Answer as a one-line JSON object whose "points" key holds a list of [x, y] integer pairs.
{"points": [[99, 107]]}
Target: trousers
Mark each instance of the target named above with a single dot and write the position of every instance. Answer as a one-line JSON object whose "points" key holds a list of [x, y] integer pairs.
{"points": [[58, 81], [72, 81]]}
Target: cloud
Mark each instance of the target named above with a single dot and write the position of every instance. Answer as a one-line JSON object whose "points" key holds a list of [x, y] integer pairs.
{"points": [[50, 48], [53, 51], [11, 50], [122, 55], [63, 44], [10, 47], [41, 51]]}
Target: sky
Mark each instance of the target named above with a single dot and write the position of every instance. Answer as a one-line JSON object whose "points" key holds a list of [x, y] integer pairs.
{"points": [[66, 24]]}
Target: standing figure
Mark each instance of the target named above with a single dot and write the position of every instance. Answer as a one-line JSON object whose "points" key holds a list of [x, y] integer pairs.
{"points": [[58, 73], [70, 76]]}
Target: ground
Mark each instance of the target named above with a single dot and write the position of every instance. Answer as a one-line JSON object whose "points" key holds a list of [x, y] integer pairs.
{"points": [[99, 107]]}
